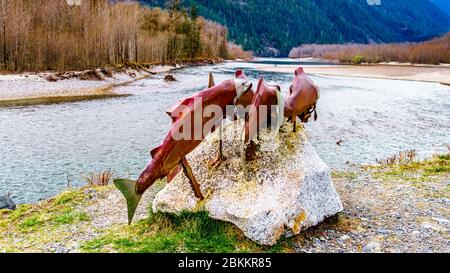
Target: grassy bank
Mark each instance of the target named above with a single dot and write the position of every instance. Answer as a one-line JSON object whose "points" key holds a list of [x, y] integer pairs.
{"points": [[43, 226], [93, 219], [30, 88]]}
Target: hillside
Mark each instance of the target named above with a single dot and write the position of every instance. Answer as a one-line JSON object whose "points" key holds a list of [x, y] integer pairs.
{"points": [[443, 4], [289, 23]]}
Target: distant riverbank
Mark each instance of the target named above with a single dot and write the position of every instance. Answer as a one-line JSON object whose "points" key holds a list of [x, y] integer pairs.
{"points": [[424, 73], [49, 87], [31, 88]]}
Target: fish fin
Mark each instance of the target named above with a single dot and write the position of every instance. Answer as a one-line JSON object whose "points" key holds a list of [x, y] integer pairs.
{"points": [[315, 112], [259, 85], [176, 108], [211, 82], [128, 188], [155, 151], [173, 174]]}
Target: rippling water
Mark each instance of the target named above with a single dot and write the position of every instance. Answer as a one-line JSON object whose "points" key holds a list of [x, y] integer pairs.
{"points": [[42, 146]]}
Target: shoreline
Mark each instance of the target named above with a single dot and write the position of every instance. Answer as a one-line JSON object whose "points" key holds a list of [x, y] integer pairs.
{"points": [[30, 88], [421, 73], [44, 87]]}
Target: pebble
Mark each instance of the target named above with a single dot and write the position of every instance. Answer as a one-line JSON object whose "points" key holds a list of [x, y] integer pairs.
{"points": [[428, 225], [441, 220], [372, 247]]}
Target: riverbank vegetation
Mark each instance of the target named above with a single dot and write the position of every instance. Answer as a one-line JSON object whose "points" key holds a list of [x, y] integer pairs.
{"points": [[410, 218], [53, 35], [434, 51]]}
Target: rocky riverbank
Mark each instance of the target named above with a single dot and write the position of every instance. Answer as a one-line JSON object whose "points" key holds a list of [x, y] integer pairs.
{"points": [[47, 87], [29, 88], [387, 208]]}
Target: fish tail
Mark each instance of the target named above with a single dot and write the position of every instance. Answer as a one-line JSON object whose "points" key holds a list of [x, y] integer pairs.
{"points": [[128, 188]]}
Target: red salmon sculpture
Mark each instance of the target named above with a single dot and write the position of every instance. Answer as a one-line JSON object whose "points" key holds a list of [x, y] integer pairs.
{"points": [[246, 99], [268, 98], [302, 99], [240, 109], [172, 153]]}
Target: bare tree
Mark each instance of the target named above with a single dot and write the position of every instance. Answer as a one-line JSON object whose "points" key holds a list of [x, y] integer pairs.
{"points": [[50, 34]]}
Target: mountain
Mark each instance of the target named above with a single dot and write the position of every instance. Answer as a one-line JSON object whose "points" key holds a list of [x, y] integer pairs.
{"points": [[442, 4], [273, 27]]}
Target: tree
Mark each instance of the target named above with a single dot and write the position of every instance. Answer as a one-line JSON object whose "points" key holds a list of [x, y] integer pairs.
{"points": [[194, 12]]}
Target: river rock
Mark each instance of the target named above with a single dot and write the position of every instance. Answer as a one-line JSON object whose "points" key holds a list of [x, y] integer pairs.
{"points": [[170, 78], [288, 189], [372, 247], [6, 202]]}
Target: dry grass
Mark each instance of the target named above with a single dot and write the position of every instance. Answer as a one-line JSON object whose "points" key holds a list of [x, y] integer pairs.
{"points": [[98, 179], [403, 157]]}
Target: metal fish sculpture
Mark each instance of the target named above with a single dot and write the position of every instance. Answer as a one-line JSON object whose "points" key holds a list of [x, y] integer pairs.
{"points": [[269, 97], [172, 153], [240, 108], [246, 99], [302, 99]]}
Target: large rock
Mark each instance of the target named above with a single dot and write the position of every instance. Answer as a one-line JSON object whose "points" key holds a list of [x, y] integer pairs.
{"points": [[285, 191], [6, 202]]}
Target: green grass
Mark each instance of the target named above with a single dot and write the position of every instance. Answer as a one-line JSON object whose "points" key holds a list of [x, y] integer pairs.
{"points": [[70, 216], [441, 164], [69, 197], [31, 222], [187, 232], [426, 175], [344, 174], [437, 165], [46, 215]]}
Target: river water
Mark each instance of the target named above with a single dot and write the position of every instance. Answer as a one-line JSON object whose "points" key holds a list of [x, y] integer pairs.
{"points": [[42, 146]]}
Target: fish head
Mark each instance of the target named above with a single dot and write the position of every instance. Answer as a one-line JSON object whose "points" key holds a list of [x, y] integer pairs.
{"points": [[240, 74], [299, 71], [243, 87]]}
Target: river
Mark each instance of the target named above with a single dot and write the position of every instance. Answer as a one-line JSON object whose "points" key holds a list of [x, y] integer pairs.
{"points": [[42, 146]]}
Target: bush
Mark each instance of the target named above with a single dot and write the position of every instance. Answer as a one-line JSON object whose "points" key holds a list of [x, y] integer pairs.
{"points": [[357, 59]]}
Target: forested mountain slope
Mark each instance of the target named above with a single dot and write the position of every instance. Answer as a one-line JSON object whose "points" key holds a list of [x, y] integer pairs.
{"points": [[261, 25], [443, 4]]}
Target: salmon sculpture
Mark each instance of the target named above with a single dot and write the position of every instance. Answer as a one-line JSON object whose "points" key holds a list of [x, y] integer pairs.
{"points": [[245, 100], [239, 112], [267, 98], [302, 99], [171, 154]]}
